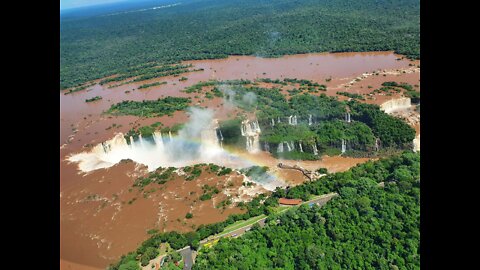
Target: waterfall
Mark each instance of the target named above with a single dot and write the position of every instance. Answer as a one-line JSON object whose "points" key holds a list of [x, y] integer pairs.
{"points": [[157, 137], [300, 146], [104, 147], [280, 147], [347, 117], [197, 142], [266, 146], [396, 104], [288, 146], [377, 146], [315, 149], [278, 120], [292, 145], [273, 122], [344, 146], [170, 135], [292, 120], [209, 135], [210, 147], [142, 143], [131, 141], [220, 133], [309, 119], [220, 136], [416, 143], [251, 131]]}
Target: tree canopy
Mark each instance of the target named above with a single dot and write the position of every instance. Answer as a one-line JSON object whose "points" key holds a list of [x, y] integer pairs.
{"points": [[96, 46]]}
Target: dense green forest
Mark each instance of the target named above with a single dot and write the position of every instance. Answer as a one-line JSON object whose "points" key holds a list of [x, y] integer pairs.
{"points": [[369, 226], [93, 47], [320, 121], [327, 128], [150, 108]]}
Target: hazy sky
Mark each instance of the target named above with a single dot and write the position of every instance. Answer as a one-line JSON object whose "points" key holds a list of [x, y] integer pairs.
{"points": [[82, 3]]}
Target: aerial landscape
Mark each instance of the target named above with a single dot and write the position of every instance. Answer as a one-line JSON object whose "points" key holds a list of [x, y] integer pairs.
{"points": [[221, 134]]}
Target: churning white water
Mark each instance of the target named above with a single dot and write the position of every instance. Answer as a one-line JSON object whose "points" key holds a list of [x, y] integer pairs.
{"points": [[197, 142], [416, 143], [251, 131], [344, 146], [396, 104]]}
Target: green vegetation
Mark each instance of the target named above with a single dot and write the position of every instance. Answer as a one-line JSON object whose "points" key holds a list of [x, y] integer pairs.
{"points": [[93, 99], [130, 265], [151, 84], [311, 86], [193, 171], [255, 170], [358, 135], [94, 47], [351, 95], [79, 88], [149, 254], [294, 91], [224, 171], [223, 204], [159, 176], [189, 215], [150, 108], [208, 192], [382, 223], [216, 92], [146, 131], [409, 90], [391, 131], [322, 170], [255, 173], [367, 227], [152, 231], [241, 224], [328, 127], [147, 73], [232, 134]]}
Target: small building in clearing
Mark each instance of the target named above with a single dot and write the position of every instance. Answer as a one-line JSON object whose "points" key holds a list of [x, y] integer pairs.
{"points": [[286, 201]]}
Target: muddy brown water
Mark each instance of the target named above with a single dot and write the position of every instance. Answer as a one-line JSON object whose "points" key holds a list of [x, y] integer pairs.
{"points": [[96, 232]]}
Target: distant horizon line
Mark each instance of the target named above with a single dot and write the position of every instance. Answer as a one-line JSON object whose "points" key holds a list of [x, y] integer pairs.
{"points": [[92, 5]]}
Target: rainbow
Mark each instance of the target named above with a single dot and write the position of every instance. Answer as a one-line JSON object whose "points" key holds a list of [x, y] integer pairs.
{"points": [[172, 151]]}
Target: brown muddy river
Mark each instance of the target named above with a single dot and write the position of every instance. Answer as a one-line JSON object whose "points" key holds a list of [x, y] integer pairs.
{"points": [[97, 223]]}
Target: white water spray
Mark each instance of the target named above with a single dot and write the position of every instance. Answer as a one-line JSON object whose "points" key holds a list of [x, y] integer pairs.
{"points": [[315, 149], [416, 143], [251, 131], [280, 147], [292, 120], [196, 143]]}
